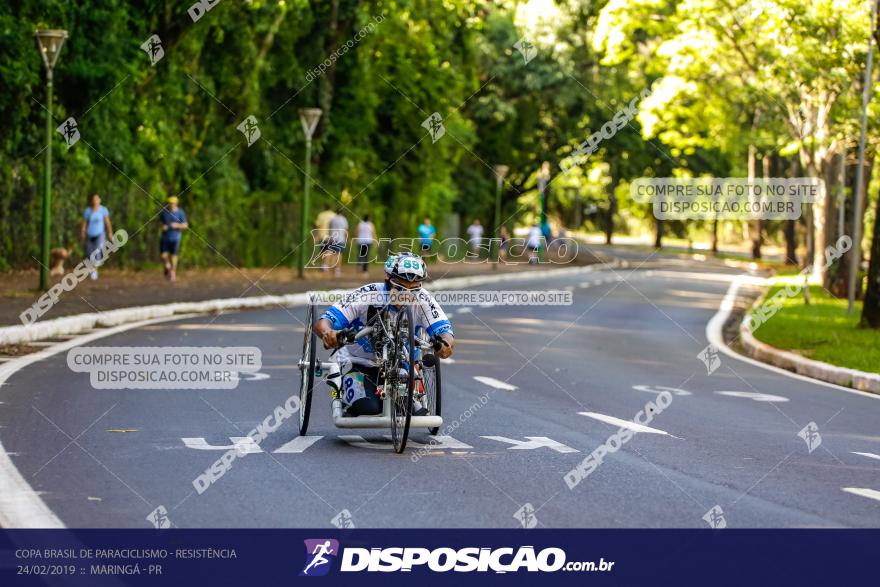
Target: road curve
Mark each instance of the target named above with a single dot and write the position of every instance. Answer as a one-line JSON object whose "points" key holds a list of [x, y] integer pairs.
{"points": [[728, 441]]}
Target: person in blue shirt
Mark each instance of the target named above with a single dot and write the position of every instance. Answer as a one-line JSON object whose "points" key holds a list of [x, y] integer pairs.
{"points": [[94, 230], [427, 232], [173, 222]]}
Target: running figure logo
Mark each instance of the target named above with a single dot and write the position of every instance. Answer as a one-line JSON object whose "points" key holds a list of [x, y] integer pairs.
{"points": [[526, 516], [153, 48], [434, 124], [250, 130], [320, 552], [709, 356], [715, 518], [810, 435], [527, 49], [159, 518], [70, 131]]}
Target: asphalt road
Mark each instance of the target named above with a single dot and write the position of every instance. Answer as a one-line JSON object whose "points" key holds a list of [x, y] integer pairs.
{"points": [[627, 333]]}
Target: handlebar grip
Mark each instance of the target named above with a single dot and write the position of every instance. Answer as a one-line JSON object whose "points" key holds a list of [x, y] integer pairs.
{"points": [[345, 337]]}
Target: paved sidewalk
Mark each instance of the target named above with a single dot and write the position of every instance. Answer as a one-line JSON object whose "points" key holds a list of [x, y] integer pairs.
{"points": [[122, 289]]}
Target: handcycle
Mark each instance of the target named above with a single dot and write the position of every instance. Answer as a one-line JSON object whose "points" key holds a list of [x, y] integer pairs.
{"points": [[408, 370]]}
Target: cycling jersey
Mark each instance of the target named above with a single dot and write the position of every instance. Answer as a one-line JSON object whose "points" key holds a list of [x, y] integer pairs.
{"points": [[359, 306]]}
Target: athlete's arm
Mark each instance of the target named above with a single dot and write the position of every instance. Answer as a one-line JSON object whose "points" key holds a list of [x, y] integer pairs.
{"points": [[446, 350], [324, 329]]}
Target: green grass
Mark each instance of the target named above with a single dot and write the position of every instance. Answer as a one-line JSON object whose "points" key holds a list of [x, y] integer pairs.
{"points": [[822, 331]]}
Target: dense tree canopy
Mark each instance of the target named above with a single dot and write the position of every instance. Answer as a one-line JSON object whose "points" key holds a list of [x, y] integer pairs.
{"points": [[516, 82]]}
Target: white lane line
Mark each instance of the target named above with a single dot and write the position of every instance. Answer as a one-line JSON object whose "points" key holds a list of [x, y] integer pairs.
{"points": [[658, 389], [492, 382], [757, 397], [714, 335], [20, 505], [243, 445], [870, 455], [863, 492], [623, 423], [464, 310]]}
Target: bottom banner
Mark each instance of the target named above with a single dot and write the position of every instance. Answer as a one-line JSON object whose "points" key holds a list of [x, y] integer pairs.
{"points": [[389, 557]]}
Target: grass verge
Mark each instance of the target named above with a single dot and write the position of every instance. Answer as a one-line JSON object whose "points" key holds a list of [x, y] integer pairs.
{"points": [[822, 331]]}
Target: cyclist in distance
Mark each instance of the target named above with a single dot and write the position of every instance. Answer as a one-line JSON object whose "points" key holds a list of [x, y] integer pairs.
{"points": [[404, 274]]}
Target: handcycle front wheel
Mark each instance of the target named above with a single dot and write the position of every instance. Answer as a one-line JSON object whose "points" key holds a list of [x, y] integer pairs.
{"points": [[307, 371], [404, 358]]}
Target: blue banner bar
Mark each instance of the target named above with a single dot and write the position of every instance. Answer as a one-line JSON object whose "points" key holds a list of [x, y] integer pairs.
{"points": [[434, 557]]}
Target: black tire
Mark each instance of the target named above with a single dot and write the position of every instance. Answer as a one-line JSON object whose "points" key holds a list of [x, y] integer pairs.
{"points": [[307, 371], [404, 351], [431, 379]]}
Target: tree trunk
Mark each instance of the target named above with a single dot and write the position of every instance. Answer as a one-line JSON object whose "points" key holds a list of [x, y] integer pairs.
{"points": [[612, 204], [326, 84], [715, 236], [871, 306], [789, 230], [754, 225], [658, 239], [817, 233], [609, 223], [837, 276]]}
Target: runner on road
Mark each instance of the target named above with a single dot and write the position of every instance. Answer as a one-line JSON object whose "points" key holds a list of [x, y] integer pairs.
{"points": [[173, 221]]}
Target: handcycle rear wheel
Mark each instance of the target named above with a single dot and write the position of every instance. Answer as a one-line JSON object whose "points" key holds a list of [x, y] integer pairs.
{"points": [[307, 371], [403, 358], [431, 380]]}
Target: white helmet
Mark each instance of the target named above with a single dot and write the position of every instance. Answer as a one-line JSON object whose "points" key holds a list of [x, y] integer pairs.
{"points": [[407, 266]]}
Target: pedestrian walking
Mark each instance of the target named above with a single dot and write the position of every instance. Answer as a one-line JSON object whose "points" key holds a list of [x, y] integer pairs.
{"points": [[366, 235], [338, 236], [95, 229], [504, 236], [475, 236], [427, 232]]}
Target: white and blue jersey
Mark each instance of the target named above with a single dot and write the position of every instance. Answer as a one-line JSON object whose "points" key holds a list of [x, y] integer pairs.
{"points": [[359, 306]]}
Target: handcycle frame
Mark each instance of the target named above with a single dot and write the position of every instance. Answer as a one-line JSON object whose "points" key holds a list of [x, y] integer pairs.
{"points": [[311, 370]]}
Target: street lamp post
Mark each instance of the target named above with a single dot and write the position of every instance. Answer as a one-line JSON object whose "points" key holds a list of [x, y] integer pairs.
{"points": [[309, 118], [500, 173], [49, 44], [855, 253]]}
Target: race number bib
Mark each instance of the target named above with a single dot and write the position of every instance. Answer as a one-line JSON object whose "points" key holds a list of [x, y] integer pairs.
{"points": [[353, 387]]}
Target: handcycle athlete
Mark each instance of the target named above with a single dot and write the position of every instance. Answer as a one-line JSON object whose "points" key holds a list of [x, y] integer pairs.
{"points": [[404, 274]]}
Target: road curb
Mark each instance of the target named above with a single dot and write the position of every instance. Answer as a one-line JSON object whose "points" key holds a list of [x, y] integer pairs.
{"points": [[79, 323], [761, 351]]}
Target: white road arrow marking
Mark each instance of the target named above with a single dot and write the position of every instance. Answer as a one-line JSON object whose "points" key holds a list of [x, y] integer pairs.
{"points": [[758, 397], [870, 455], [533, 443], [251, 376], [863, 492], [492, 382], [438, 442], [298, 444], [243, 444], [628, 424]]}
